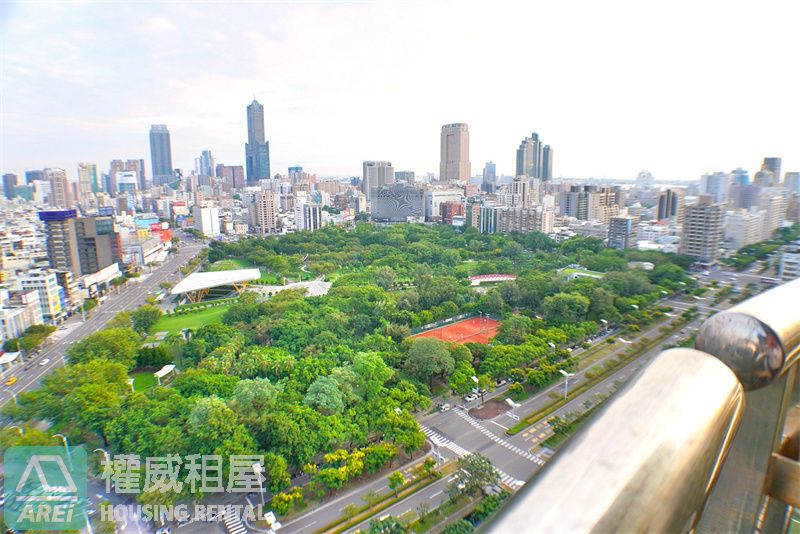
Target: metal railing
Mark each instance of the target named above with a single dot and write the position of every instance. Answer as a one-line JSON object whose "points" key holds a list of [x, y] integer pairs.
{"points": [[700, 440]]}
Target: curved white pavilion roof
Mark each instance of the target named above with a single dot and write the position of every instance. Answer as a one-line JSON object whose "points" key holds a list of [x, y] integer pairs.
{"points": [[199, 281]]}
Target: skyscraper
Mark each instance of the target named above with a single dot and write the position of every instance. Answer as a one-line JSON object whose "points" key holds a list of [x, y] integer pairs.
{"points": [[9, 183], [206, 165], [30, 176], [702, 230], [530, 157], [62, 240], [622, 232], [670, 205], [87, 179], [774, 165], [454, 162], [376, 174], [60, 190], [160, 154], [547, 163], [262, 212], [489, 177], [256, 150], [99, 243], [717, 185]]}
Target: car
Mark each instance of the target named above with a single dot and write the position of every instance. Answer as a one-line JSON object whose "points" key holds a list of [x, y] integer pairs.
{"points": [[502, 382], [471, 397], [163, 530], [445, 407], [11, 381], [45, 361]]}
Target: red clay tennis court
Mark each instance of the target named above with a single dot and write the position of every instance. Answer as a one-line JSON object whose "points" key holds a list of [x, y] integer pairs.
{"points": [[473, 330]]}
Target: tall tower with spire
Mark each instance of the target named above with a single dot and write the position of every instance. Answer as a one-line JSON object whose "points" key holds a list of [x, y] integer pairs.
{"points": [[256, 150]]}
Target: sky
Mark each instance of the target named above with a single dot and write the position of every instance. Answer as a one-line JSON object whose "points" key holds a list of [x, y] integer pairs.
{"points": [[679, 88]]}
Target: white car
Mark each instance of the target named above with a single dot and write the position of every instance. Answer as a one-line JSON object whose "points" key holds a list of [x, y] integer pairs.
{"points": [[471, 397], [445, 407], [45, 361]]}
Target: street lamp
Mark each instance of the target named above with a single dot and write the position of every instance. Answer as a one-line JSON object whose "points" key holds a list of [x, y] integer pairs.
{"points": [[513, 405], [259, 469], [480, 391], [566, 382], [21, 430], [66, 446]]}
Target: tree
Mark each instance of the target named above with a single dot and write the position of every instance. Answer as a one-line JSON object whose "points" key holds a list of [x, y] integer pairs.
{"points": [[324, 395], [566, 307], [462, 526], [396, 481], [276, 472], [461, 380], [514, 329], [114, 344], [428, 358], [389, 525], [475, 472], [371, 372], [145, 318]]}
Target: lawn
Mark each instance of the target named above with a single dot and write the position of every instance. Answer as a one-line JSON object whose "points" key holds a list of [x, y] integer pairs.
{"points": [[229, 265], [194, 320], [143, 380]]}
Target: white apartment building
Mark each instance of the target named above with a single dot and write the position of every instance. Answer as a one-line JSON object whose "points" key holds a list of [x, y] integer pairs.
{"points": [[45, 283]]}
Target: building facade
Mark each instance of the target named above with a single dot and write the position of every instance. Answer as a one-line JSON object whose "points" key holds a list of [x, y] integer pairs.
{"points": [[62, 240], [622, 232], [702, 230], [454, 164], [376, 174], [161, 154], [256, 150]]}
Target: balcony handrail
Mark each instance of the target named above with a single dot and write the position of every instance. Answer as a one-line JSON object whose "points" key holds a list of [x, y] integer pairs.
{"points": [[648, 460]]}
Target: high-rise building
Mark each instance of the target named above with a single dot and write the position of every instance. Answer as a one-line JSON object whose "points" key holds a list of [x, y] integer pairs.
{"points": [[739, 176], [449, 210], [376, 174], [263, 212], [206, 219], [518, 219], [490, 219], [774, 166], [62, 240], [206, 166], [126, 181], [534, 159], [404, 176], [308, 216], [717, 185], [454, 164], [233, 175], [87, 180], [60, 189], [45, 283], [792, 182], [773, 202], [743, 227], [702, 230], [670, 205], [99, 243], [489, 177], [519, 193], [9, 183], [160, 154], [765, 177], [622, 232], [789, 266], [256, 150], [30, 176], [590, 203], [547, 163], [137, 166]]}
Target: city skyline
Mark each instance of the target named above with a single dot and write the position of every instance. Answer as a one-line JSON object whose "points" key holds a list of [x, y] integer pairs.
{"points": [[624, 80]]}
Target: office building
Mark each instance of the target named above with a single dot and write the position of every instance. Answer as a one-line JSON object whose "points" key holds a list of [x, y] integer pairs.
{"points": [[398, 203], [716, 185], [126, 181], [739, 176], [206, 219], [702, 230], [534, 159], [773, 202], [9, 184], [205, 164], [789, 264], [137, 166], [547, 163], [160, 154], [774, 166], [792, 182], [62, 241], [766, 177], [622, 232], [45, 283], [308, 217], [404, 176], [232, 175], [743, 227], [376, 174], [87, 180], [490, 219], [454, 164], [60, 189], [489, 183], [263, 212], [590, 203], [256, 150], [31, 176], [670, 205], [99, 243]]}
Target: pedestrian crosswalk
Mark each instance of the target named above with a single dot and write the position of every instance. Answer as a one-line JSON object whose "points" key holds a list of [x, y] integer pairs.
{"points": [[435, 437], [500, 441], [232, 522], [442, 441]]}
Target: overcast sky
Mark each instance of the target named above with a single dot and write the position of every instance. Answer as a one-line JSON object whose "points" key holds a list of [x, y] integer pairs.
{"points": [[678, 88]]}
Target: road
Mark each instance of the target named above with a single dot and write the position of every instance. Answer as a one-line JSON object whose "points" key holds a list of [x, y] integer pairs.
{"points": [[74, 329]]}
